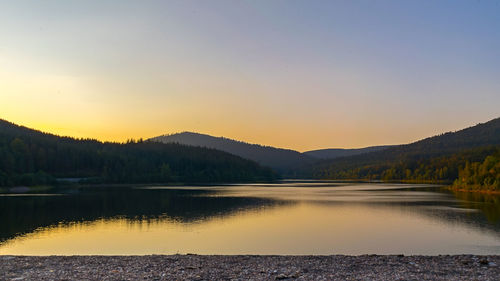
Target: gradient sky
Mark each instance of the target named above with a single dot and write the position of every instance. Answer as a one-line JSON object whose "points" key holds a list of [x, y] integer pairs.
{"points": [[294, 74]]}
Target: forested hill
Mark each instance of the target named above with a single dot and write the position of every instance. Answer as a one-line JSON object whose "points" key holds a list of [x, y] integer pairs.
{"points": [[30, 157], [283, 160], [483, 134], [332, 153], [438, 158]]}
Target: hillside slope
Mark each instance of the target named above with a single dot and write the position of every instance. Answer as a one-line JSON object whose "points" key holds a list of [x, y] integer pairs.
{"points": [[483, 134], [30, 157], [283, 160], [436, 158], [332, 153]]}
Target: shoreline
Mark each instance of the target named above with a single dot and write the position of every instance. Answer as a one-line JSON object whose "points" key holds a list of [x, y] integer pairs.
{"points": [[38, 189], [251, 267], [490, 192]]}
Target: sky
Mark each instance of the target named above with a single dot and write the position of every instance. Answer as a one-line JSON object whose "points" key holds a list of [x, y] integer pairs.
{"points": [[294, 74]]}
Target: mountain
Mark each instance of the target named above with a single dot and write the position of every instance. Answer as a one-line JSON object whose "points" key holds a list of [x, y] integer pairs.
{"points": [[438, 158], [30, 157], [332, 153], [283, 160], [483, 134]]}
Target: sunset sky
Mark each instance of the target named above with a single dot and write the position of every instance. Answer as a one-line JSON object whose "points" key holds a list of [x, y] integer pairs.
{"points": [[294, 74]]}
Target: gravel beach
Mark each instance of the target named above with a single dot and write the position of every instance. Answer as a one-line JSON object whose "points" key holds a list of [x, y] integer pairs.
{"points": [[197, 267]]}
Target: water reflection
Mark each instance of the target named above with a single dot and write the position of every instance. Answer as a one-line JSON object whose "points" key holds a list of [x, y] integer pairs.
{"points": [[23, 214], [488, 204], [288, 218]]}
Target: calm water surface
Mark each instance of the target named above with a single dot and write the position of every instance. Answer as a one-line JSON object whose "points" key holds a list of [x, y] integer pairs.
{"points": [[288, 218]]}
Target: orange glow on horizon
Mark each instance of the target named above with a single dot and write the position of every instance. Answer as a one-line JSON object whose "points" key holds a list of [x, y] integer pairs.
{"points": [[121, 133], [340, 75]]}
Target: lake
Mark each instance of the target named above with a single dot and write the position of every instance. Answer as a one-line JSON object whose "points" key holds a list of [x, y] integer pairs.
{"points": [[289, 218]]}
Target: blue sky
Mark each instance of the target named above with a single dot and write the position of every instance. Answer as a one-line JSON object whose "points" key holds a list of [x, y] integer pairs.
{"points": [[296, 74]]}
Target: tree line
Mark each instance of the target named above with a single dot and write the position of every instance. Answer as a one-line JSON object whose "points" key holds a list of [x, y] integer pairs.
{"points": [[477, 168], [483, 175], [29, 157], [439, 159]]}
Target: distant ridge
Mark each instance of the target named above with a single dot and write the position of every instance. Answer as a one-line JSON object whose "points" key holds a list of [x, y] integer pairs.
{"points": [[332, 153], [449, 150], [283, 160]]}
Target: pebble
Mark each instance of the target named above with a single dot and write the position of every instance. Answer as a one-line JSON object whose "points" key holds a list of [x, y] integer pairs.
{"points": [[197, 267]]}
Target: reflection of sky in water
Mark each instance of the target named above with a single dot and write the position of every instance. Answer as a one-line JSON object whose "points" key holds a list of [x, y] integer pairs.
{"points": [[290, 218]]}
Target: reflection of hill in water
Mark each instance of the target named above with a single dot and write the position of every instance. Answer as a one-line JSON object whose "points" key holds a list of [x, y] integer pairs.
{"points": [[457, 214], [488, 204], [480, 211], [476, 210], [20, 215]]}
